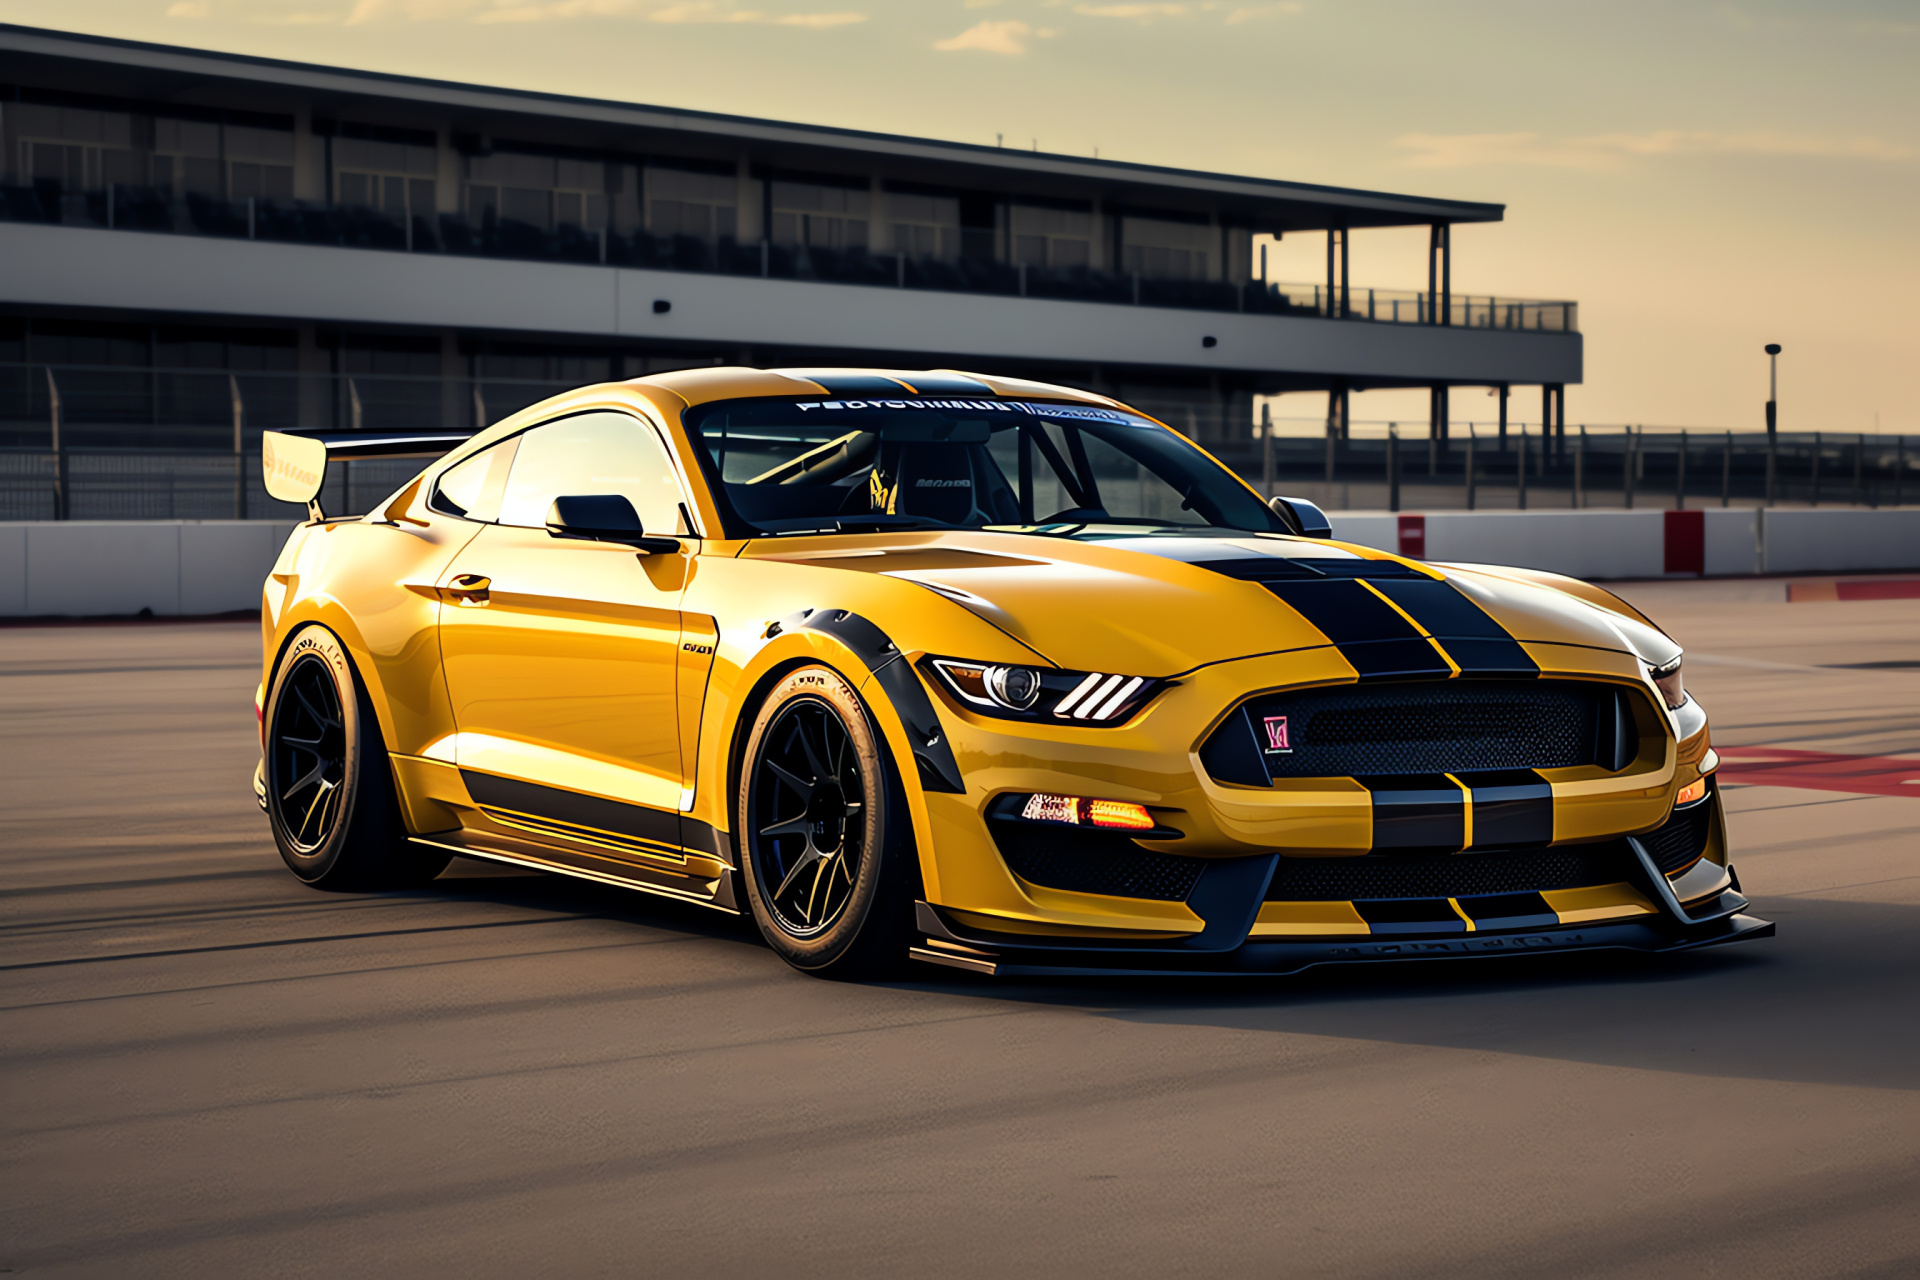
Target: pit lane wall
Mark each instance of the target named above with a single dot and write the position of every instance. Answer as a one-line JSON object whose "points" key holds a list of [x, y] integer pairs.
{"points": [[104, 568]]}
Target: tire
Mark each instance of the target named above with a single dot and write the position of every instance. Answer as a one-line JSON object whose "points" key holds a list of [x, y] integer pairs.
{"points": [[824, 837], [329, 785]]}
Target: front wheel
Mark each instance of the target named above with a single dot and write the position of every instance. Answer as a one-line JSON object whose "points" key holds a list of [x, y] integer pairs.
{"points": [[823, 831], [329, 787]]}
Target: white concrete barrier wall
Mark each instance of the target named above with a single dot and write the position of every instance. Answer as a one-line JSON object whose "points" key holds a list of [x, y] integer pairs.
{"points": [[1649, 544], [101, 568], [93, 568]]}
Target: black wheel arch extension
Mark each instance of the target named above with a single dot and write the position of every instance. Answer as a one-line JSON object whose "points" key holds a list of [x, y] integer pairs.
{"points": [[932, 755]]}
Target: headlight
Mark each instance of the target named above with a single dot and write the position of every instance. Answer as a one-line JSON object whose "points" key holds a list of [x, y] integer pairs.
{"points": [[1044, 693], [1667, 680]]}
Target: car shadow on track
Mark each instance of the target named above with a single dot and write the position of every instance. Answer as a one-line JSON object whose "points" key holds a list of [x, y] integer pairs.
{"points": [[1828, 1001]]}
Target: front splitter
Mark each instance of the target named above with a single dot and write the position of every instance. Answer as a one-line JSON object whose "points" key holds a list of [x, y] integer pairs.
{"points": [[1258, 958]]}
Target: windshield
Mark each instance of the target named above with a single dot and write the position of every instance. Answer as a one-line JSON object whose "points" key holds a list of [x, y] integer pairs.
{"points": [[858, 466]]}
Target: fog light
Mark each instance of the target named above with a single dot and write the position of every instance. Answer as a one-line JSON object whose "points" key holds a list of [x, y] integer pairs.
{"points": [[1695, 790], [1113, 814]]}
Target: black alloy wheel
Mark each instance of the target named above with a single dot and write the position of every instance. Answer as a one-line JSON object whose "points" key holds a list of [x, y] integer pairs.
{"points": [[307, 769], [809, 806], [330, 793], [824, 836]]}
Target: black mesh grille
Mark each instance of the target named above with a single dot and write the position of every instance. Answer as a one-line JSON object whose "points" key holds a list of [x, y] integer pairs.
{"points": [[1447, 875], [1081, 861], [1437, 727], [1679, 844]]}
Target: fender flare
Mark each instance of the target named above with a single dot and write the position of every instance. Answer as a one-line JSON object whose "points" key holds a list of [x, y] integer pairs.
{"points": [[932, 754]]}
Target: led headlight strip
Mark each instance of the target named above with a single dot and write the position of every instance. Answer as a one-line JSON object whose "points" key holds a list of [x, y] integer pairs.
{"points": [[1098, 697], [1044, 693]]}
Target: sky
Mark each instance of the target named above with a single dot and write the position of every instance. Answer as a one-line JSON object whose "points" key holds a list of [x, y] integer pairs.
{"points": [[1703, 178]]}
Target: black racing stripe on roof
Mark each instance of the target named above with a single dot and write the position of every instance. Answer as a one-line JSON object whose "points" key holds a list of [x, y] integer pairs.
{"points": [[858, 384], [946, 384], [1469, 634]]}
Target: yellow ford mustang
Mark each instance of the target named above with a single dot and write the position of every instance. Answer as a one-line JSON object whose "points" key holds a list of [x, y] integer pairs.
{"points": [[989, 673]]}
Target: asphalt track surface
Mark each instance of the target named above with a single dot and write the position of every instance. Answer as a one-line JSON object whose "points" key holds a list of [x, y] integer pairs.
{"points": [[207, 1069]]}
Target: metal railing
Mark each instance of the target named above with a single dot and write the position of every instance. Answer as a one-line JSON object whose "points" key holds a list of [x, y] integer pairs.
{"points": [[117, 442], [126, 208], [1393, 467]]}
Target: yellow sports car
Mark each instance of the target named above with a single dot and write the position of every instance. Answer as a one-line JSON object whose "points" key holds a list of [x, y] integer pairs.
{"points": [[982, 672]]}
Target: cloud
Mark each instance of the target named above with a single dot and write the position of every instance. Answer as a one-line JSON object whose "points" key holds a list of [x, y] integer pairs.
{"points": [[362, 12], [191, 9], [1609, 150], [1136, 12], [1146, 11], [1007, 35], [1249, 12]]}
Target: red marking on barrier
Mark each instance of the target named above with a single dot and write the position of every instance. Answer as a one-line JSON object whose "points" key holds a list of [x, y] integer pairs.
{"points": [[1872, 589], [1413, 537], [1686, 539], [1820, 771]]}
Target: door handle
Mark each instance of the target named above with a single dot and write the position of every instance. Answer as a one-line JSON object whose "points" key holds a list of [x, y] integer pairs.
{"points": [[469, 589]]}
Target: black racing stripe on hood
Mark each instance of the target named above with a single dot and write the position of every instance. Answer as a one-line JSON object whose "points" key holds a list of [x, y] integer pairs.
{"points": [[1469, 634], [1379, 643]]}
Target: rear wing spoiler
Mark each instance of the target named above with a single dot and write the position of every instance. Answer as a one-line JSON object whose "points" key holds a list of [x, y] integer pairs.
{"points": [[295, 462]]}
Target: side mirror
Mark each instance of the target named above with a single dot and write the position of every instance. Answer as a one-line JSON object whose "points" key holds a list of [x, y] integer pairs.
{"points": [[603, 517], [1303, 517]]}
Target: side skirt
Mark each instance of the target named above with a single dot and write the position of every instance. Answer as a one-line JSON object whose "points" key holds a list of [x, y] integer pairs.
{"points": [[717, 893]]}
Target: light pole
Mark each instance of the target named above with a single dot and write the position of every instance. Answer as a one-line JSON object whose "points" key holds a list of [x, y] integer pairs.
{"points": [[1773, 412]]}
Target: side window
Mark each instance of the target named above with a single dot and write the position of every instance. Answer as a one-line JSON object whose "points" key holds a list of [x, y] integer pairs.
{"points": [[593, 453], [472, 487]]}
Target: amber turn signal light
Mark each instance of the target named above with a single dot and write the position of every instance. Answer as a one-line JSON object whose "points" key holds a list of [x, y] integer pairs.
{"points": [[1692, 791], [1113, 814]]}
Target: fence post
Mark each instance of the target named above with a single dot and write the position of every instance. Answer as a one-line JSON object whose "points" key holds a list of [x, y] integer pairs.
{"points": [[1628, 456], [1393, 468], [1815, 468], [251, 225], [1266, 450], [59, 450], [1580, 470], [1773, 456], [479, 408], [1471, 435], [1859, 484], [1680, 475], [1726, 470], [1520, 469], [239, 447]]}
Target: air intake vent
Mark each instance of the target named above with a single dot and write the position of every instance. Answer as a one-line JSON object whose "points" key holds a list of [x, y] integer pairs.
{"points": [[1424, 727]]}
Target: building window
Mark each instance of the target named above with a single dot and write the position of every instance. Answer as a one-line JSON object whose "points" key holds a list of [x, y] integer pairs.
{"points": [[1162, 249], [819, 216], [1051, 236], [683, 202], [925, 226], [547, 192]]}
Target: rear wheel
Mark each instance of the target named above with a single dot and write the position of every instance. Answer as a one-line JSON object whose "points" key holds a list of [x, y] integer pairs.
{"points": [[329, 785], [823, 831]]}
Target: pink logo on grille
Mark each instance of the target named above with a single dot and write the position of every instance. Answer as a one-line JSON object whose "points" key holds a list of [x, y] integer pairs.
{"points": [[1277, 733]]}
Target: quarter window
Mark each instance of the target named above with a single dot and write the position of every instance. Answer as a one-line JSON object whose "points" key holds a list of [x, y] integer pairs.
{"points": [[472, 488], [593, 453]]}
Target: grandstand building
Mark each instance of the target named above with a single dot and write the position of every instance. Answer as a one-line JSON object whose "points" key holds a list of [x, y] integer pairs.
{"points": [[201, 245]]}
